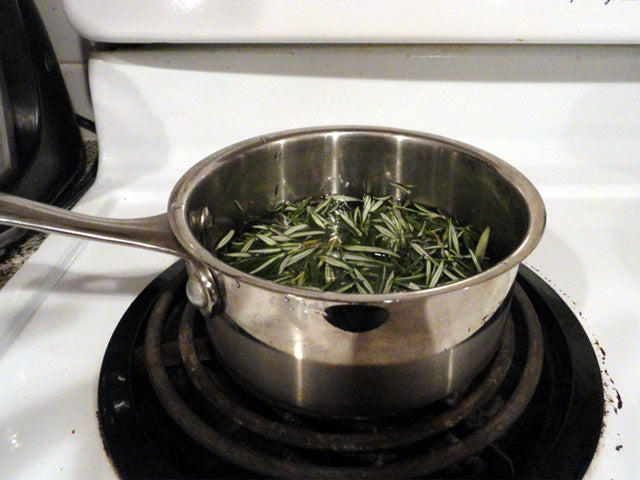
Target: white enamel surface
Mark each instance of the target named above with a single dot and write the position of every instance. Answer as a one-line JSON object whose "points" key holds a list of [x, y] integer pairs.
{"points": [[567, 117], [399, 21]]}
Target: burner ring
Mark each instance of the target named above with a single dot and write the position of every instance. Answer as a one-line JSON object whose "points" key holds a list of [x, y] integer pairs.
{"points": [[420, 464]]}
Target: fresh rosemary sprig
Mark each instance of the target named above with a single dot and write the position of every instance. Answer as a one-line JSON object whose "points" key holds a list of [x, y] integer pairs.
{"points": [[365, 245]]}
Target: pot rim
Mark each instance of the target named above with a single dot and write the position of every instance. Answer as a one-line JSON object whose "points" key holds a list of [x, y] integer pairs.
{"points": [[182, 191]]}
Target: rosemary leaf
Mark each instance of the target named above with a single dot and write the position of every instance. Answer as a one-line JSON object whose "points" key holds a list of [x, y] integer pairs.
{"points": [[295, 228], [300, 256], [225, 239], [391, 224], [329, 276], [449, 274], [334, 262], [248, 244], [385, 231], [366, 207], [350, 222], [419, 250], [271, 261], [239, 255], [453, 238], [403, 188], [476, 263], [362, 280], [269, 241], [280, 238], [307, 233], [367, 248], [345, 287], [436, 275], [386, 288], [320, 208], [481, 246], [264, 250], [318, 220], [376, 205]]}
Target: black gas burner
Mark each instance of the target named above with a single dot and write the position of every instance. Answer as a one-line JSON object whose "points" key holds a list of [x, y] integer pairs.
{"points": [[167, 409]]}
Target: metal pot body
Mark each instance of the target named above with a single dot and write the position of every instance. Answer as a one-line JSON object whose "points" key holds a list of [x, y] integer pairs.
{"points": [[352, 389], [350, 353], [323, 351]]}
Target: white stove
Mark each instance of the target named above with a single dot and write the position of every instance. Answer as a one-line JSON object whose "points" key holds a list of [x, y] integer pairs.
{"points": [[565, 115]]}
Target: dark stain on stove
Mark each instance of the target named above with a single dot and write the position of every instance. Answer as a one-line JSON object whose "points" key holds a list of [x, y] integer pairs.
{"points": [[619, 398], [611, 391], [607, 380], [599, 347], [613, 399], [73, 432], [612, 396]]}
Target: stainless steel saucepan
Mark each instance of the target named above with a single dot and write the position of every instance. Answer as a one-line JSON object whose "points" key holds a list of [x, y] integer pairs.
{"points": [[334, 353]]}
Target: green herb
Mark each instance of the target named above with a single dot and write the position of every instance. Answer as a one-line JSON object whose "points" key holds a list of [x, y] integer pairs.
{"points": [[225, 239], [367, 245], [481, 247]]}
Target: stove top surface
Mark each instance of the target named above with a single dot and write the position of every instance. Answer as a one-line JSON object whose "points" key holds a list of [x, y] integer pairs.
{"points": [[566, 116]]}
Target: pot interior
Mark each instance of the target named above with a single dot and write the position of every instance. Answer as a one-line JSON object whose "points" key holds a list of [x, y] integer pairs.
{"points": [[473, 186]]}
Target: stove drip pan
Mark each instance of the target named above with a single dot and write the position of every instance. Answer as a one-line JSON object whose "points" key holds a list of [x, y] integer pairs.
{"points": [[167, 408]]}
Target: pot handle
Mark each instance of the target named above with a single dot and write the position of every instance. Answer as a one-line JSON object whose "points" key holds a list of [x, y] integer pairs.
{"points": [[152, 233]]}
